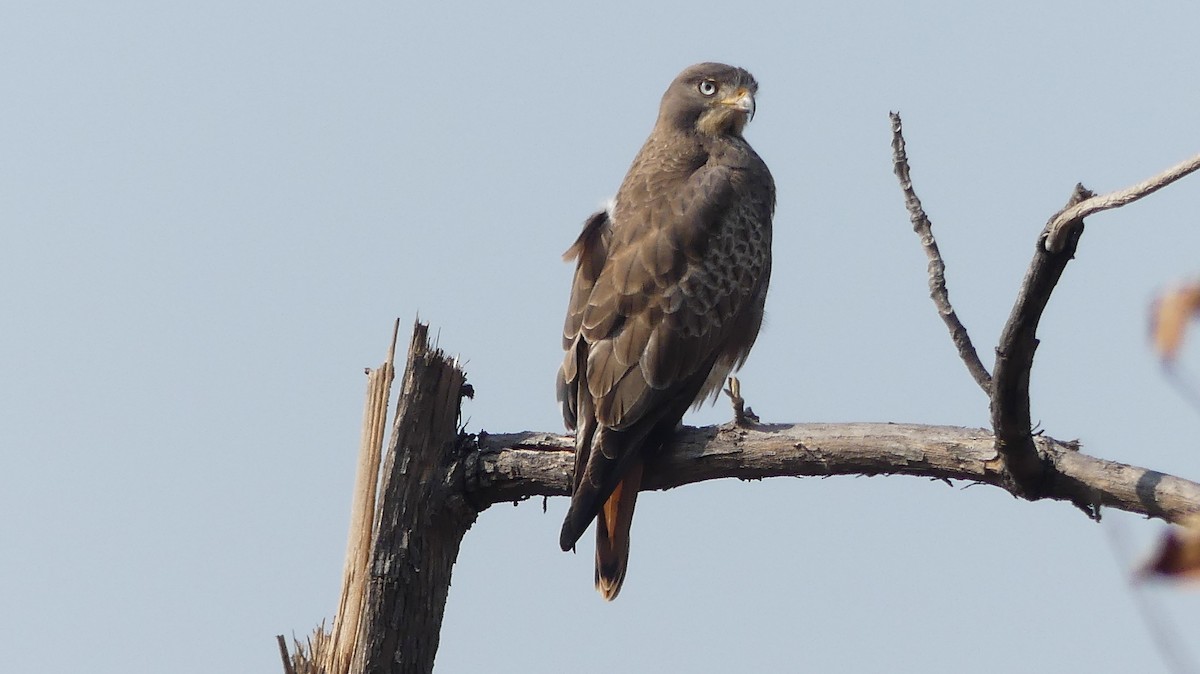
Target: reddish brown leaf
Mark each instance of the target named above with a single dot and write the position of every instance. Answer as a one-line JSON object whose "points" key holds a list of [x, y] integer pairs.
{"points": [[1178, 555], [1169, 318]]}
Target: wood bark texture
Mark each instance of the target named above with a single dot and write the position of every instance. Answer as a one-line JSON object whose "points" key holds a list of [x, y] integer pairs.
{"points": [[422, 518], [515, 466]]}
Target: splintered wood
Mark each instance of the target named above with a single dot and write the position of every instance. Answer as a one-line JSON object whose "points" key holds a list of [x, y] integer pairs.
{"points": [[331, 652]]}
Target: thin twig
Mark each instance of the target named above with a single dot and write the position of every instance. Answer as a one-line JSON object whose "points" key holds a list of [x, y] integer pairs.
{"points": [[1056, 232], [937, 267]]}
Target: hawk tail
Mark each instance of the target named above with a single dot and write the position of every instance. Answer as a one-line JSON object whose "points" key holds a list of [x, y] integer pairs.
{"points": [[612, 533]]}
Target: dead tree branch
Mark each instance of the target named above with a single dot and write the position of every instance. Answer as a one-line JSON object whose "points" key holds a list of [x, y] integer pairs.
{"points": [[1026, 471], [937, 267], [1010, 408], [516, 466], [1059, 228]]}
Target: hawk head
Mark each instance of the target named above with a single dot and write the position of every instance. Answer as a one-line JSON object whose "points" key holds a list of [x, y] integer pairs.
{"points": [[709, 98]]}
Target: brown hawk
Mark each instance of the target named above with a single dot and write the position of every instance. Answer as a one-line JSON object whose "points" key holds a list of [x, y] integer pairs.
{"points": [[667, 298]]}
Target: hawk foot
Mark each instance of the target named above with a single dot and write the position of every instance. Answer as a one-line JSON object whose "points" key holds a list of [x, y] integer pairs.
{"points": [[743, 416]]}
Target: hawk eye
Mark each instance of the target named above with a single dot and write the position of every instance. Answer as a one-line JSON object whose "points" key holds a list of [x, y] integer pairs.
{"points": [[707, 87]]}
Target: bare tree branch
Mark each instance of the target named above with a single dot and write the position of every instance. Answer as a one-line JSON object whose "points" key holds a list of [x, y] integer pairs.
{"points": [[1014, 360], [937, 267], [1058, 230], [1008, 386], [516, 466]]}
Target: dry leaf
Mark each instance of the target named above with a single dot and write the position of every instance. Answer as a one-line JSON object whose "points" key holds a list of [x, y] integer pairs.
{"points": [[1178, 555], [1169, 318]]}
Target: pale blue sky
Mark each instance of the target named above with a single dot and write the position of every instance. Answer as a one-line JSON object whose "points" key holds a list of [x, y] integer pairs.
{"points": [[212, 213]]}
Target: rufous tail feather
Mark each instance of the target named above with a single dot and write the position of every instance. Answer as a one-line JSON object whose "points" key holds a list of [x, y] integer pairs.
{"points": [[612, 533]]}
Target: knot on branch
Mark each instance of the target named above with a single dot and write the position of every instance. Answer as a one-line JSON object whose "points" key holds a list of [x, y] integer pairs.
{"points": [[1062, 231]]}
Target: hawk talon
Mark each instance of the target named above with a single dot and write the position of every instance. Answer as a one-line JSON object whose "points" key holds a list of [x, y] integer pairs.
{"points": [[743, 417]]}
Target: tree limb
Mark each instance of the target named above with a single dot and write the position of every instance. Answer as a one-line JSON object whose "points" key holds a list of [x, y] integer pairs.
{"points": [[511, 467], [1057, 232], [1010, 407], [1018, 461], [937, 267]]}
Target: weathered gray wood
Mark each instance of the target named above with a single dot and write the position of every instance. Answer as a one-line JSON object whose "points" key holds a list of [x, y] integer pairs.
{"points": [[422, 518], [519, 465], [938, 291]]}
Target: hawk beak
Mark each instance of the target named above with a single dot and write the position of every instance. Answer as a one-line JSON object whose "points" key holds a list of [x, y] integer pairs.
{"points": [[742, 101]]}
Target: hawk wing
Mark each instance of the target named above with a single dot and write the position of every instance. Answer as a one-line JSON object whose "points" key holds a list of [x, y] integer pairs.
{"points": [[660, 297]]}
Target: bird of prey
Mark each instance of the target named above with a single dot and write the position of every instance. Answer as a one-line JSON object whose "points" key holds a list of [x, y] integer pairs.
{"points": [[667, 298]]}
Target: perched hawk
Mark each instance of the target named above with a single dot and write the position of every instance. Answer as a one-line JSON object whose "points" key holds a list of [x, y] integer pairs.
{"points": [[667, 298]]}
